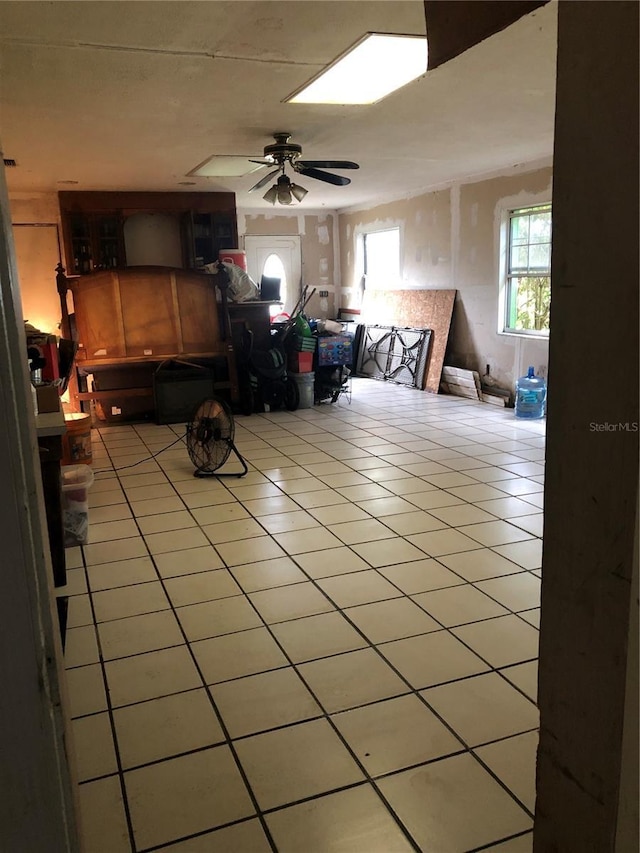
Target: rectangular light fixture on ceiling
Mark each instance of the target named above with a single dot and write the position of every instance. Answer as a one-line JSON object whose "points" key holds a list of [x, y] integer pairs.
{"points": [[378, 64], [224, 166]]}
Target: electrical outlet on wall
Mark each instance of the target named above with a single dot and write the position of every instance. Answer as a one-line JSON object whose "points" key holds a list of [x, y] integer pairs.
{"points": [[323, 294]]}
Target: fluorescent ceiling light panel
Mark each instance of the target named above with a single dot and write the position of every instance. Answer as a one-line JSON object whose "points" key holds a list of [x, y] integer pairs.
{"points": [[224, 166], [374, 67]]}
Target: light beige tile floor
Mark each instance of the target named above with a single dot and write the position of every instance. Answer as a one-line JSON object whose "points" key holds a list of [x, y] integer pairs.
{"points": [[336, 652]]}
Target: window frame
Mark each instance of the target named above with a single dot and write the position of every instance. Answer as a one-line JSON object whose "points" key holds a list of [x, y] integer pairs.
{"points": [[361, 237], [506, 275]]}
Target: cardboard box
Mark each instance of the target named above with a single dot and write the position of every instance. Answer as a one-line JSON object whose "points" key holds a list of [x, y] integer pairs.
{"points": [[48, 398], [301, 362]]}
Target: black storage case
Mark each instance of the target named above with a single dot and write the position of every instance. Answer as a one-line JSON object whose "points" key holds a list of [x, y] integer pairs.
{"points": [[178, 389]]}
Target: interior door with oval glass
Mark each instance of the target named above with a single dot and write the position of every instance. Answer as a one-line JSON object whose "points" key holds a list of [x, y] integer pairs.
{"points": [[276, 257]]}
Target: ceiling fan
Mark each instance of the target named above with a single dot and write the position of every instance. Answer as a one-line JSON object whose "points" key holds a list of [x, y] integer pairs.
{"points": [[283, 152]]}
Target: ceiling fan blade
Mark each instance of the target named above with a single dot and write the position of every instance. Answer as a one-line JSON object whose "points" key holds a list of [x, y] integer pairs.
{"points": [[263, 181], [328, 164], [327, 177]]}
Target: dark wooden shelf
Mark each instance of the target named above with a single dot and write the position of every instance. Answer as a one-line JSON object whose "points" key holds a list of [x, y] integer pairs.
{"points": [[93, 225]]}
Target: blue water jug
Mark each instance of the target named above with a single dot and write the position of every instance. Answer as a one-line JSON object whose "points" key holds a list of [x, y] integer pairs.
{"points": [[531, 396]]}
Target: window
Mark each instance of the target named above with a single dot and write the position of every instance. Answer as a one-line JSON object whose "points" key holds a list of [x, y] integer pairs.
{"points": [[380, 258], [274, 268], [528, 270]]}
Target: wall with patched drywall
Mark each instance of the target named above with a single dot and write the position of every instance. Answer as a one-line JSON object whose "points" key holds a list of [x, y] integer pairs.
{"points": [[450, 238], [318, 249]]}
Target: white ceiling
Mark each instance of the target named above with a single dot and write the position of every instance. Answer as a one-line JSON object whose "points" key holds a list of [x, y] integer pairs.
{"points": [[134, 95]]}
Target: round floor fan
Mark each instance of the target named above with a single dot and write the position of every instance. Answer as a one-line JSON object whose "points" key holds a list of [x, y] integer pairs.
{"points": [[210, 439]]}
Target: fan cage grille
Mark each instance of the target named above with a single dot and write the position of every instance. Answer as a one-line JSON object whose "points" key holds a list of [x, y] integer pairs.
{"points": [[210, 435]]}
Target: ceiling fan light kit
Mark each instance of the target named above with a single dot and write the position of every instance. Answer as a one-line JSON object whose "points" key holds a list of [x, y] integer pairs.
{"points": [[283, 191], [271, 195], [283, 152], [298, 192]]}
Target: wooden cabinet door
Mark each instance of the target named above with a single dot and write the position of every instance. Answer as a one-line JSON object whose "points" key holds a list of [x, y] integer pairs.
{"points": [[107, 231], [76, 229], [98, 316], [198, 312], [149, 312], [93, 241], [205, 234], [186, 236]]}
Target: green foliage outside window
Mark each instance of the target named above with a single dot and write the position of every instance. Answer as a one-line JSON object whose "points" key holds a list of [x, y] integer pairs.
{"points": [[532, 302]]}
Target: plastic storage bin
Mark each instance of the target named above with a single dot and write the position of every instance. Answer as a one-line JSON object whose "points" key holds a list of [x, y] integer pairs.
{"points": [[76, 442], [305, 383], [76, 482], [531, 396]]}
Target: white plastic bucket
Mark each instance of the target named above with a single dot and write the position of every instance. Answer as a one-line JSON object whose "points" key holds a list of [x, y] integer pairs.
{"points": [[305, 382], [76, 481]]}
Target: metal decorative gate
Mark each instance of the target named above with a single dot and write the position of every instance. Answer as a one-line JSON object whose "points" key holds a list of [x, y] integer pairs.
{"points": [[394, 354]]}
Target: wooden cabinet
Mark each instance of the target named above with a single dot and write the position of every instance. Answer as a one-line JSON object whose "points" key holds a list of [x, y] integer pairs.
{"points": [[204, 234], [93, 226], [146, 313], [130, 321], [95, 242]]}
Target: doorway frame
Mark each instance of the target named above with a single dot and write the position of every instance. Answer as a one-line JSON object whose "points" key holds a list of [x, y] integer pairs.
{"points": [[259, 247]]}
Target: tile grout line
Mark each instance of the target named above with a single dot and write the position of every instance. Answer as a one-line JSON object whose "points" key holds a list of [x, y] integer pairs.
{"points": [[244, 594], [221, 722]]}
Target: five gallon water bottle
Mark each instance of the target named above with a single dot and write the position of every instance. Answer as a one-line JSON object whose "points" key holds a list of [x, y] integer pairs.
{"points": [[531, 396]]}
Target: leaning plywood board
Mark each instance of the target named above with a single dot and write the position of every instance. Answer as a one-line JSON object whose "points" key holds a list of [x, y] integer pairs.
{"points": [[421, 309]]}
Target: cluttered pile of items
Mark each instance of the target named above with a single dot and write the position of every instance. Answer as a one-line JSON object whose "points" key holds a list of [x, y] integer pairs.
{"points": [[50, 364], [309, 362]]}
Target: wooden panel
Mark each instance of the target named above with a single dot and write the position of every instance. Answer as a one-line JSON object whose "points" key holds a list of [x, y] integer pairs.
{"points": [[150, 322], [141, 316], [198, 310], [98, 317], [176, 311], [454, 26], [115, 394], [423, 309], [136, 202], [461, 383]]}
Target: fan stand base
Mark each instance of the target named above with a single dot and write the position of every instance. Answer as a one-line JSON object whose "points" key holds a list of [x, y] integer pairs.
{"points": [[202, 472]]}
